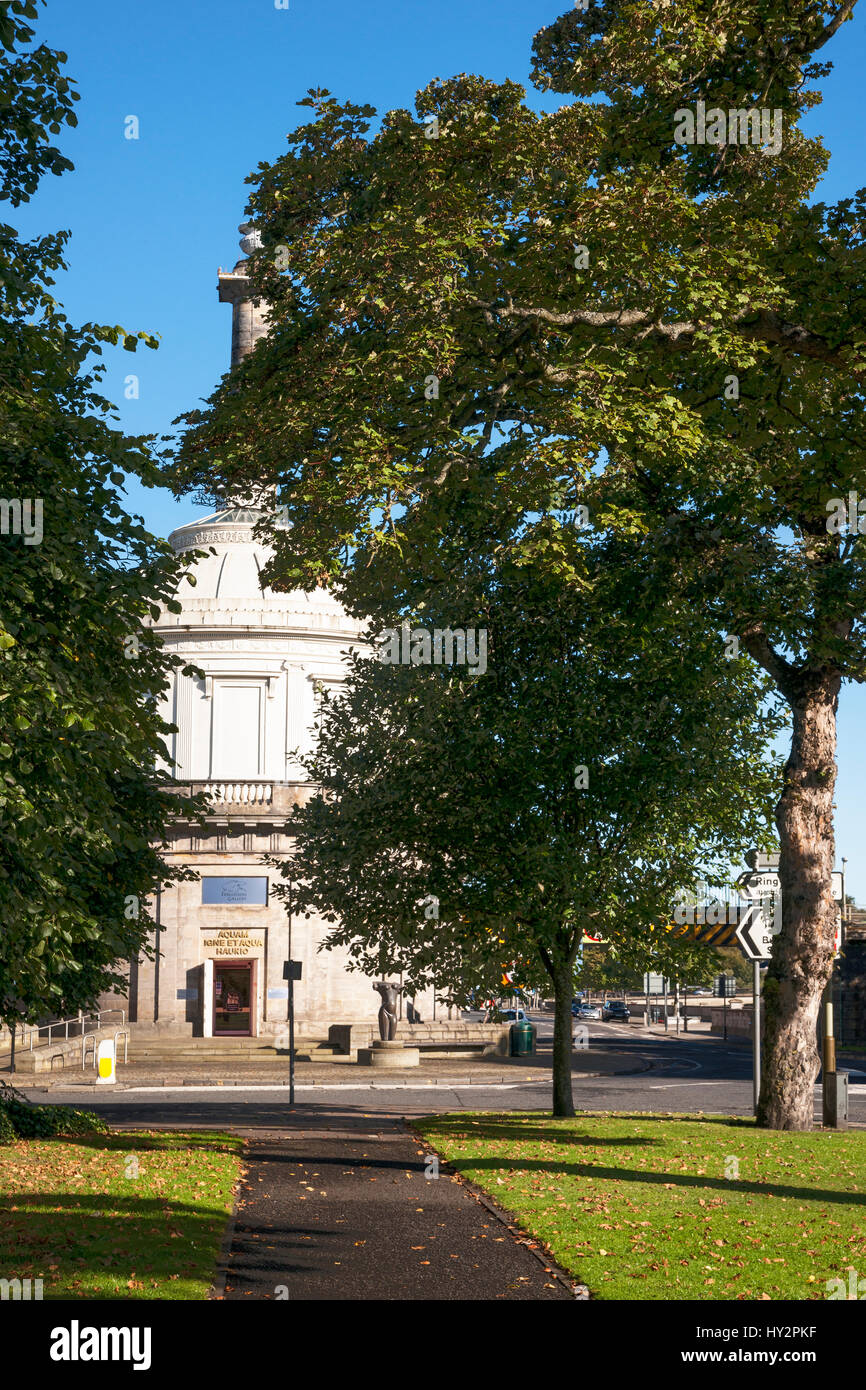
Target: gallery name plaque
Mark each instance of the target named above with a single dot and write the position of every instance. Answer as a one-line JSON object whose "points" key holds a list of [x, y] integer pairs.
{"points": [[234, 892], [233, 943]]}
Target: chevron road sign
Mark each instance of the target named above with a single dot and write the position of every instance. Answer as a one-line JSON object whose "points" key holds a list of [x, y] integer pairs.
{"points": [[719, 934], [755, 933]]}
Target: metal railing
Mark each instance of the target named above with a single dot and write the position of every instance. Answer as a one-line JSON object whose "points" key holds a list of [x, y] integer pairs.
{"points": [[85, 1039], [81, 1019], [122, 1033]]}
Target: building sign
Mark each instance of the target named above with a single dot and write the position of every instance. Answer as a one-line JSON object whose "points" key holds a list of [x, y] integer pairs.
{"points": [[233, 943], [230, 892]]}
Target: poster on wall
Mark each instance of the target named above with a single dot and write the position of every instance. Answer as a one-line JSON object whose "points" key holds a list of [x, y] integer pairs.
{"points": [[234, 892]]}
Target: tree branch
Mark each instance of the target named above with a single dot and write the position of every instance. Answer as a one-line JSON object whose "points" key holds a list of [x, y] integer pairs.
{"points": [[759, 647], [755, 326]]}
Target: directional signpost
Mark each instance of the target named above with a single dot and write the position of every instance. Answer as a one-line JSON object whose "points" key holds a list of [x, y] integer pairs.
{"points": [[755, 933]]}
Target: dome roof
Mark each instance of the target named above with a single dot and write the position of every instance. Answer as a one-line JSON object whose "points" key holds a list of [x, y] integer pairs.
{"points": [[230, 578], [234, 572]]}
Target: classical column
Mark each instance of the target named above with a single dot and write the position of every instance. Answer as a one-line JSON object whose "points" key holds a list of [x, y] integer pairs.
{"points": [[248, 314]]}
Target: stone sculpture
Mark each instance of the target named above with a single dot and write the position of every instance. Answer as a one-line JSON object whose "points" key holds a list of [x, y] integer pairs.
{"points": [[388, 1011]]}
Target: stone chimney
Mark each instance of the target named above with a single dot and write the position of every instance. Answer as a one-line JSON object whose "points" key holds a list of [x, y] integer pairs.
{"points": [[248, 314]]}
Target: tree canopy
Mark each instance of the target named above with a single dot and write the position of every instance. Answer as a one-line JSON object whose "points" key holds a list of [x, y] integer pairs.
{"points": [[83, 809], [483, 314], [572, 784]]}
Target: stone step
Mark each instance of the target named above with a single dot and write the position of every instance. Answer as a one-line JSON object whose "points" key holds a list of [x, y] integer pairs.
{"points": [[185, 1052]]}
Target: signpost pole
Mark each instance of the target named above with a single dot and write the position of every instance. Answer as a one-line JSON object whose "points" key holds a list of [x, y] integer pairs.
{"points": [[291, 1040], [756, 1032], [665, 990], [291, 1007]]}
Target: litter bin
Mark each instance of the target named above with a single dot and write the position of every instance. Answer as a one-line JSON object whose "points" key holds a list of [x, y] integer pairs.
{"points": [[521, 1035]]}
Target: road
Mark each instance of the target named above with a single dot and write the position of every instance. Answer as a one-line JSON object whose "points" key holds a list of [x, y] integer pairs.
{"points": [[689, 1073]]}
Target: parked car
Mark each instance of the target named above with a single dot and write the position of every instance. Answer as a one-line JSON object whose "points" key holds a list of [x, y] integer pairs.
{"points": [[700, 990], [614, 1010], [514, 1016], [587, 1011]]}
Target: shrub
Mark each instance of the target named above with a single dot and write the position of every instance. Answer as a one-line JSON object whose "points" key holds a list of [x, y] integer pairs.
{"points": [[28, 1121], [7, 1129]]}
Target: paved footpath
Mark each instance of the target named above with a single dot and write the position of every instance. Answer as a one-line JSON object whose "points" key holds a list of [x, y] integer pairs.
{"points": [[486, 1071], [337, 1206]]}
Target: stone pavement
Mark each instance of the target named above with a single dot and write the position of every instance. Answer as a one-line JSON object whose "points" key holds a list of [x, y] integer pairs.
{"points": [[434, 1071], [339, 1206]]}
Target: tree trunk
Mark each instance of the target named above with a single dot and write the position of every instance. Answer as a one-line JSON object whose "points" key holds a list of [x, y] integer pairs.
{"points": [[802, 958], [563, 993]]}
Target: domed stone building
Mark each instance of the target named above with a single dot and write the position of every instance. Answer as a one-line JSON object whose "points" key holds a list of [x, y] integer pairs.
{"points": [[242, 726]]}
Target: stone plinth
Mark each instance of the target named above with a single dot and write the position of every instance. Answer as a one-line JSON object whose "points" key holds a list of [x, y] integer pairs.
{"points": [[388, 1054]]}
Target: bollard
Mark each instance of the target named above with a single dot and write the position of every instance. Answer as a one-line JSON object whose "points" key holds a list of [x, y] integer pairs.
{"points": [[105, 1059], [835, 1088]]}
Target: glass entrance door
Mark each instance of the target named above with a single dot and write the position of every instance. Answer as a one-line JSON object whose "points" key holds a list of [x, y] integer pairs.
{"points": [[232, 993]]}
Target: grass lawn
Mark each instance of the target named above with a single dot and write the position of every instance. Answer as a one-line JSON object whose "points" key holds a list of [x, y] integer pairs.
{"points": [[670, 1206], [117, 1216]]}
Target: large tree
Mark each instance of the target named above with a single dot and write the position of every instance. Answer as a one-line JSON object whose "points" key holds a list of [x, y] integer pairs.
{"points": [[481, 306], [82, 809], [579, 776]]}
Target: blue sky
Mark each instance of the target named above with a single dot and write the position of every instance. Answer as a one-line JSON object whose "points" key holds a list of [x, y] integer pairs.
{"points": [[214, 85]]}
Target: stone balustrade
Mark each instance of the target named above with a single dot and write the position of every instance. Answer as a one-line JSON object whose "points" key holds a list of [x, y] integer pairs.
{"points": [[240, 793]]}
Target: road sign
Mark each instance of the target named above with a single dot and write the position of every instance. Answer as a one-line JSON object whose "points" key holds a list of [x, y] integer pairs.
{"points": [[755, 934], [722, 934], [653, 984], [757, 859], [836, 877], [757, 884]]}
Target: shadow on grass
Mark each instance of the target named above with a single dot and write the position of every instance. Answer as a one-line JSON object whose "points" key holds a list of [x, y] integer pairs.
{"points": [[121, 1208], [676, 1180], [130, 1242], [113, 1237], [567, 1139], [553, 1130], [143, 1141]]}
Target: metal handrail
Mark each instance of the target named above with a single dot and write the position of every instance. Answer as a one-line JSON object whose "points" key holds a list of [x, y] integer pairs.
{"points": [[122, 1033], [82, 1019], [85, 1039]]}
